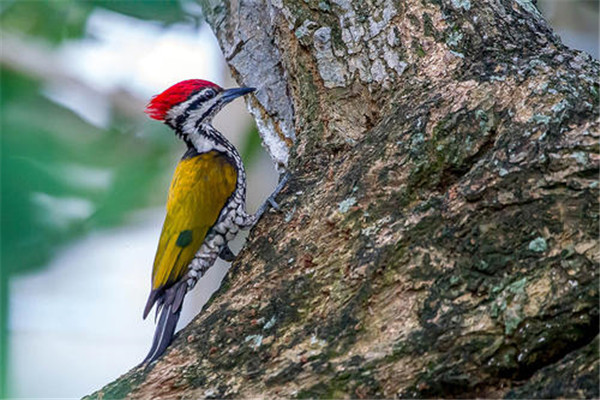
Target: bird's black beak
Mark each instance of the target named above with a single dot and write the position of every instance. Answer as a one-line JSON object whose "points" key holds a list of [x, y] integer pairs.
{"points": [[231, 94]]}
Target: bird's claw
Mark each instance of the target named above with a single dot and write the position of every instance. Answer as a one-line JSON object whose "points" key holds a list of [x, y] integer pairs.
{"points": [[271, 199], [226, 254], [278, 189], [273, 204]]}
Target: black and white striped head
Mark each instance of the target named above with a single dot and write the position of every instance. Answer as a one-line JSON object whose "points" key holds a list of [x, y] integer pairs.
{"points": [[187, 104]]}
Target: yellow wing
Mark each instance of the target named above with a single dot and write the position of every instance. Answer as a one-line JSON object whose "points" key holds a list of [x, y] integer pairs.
{"points": [[200, 188]]}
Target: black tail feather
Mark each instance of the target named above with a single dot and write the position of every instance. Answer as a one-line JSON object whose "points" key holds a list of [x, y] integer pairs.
{"points": [[169, 305], [154, 296], [163, 336]]}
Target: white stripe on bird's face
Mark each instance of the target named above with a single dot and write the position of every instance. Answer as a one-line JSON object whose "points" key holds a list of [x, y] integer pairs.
{"points": [[194, 108], [192, 119], [201, 107]]}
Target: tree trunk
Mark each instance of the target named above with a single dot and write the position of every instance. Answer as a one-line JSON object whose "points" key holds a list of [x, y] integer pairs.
{"points": [[438, 234]]}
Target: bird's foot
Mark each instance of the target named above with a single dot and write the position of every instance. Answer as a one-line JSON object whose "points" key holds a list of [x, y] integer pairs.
{"points": [[226, 254], [271, 199]]}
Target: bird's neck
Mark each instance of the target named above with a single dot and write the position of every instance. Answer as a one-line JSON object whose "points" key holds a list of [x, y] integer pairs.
{"points": [[206, 138]]}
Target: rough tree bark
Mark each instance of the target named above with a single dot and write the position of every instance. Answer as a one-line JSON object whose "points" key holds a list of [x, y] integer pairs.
{"points": [[438, 235]]}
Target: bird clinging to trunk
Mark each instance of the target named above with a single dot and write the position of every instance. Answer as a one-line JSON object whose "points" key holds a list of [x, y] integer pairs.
{"points": [[206, 205]]}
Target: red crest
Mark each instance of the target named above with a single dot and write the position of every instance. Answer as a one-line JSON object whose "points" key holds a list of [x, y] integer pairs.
{"points": [[161, 104]]}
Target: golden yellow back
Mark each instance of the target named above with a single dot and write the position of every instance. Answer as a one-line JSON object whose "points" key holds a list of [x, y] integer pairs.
{"points": [[200, 188]]}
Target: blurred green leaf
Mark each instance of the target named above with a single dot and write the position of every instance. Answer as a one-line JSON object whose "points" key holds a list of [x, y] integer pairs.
{"points": [[59, 20], [166, 11], [53, 20]]}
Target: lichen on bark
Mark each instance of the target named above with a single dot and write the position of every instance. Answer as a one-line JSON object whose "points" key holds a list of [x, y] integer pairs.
{"points": [[438, 237]]}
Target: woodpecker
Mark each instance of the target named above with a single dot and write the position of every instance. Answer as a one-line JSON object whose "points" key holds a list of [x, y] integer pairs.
{"points": [[206, 204]]}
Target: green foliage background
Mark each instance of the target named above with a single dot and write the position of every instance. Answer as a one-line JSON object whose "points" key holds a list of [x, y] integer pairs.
{"points": [[40, 140]]}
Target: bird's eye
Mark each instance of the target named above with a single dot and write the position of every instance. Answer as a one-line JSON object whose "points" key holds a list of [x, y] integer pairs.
{"points": [[209, 93]]}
